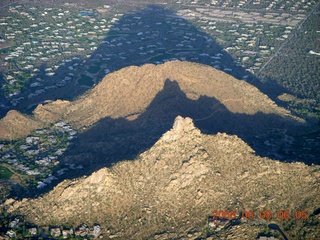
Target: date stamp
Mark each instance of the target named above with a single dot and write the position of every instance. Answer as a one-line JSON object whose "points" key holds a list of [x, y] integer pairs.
{"points": [[262, 214]]}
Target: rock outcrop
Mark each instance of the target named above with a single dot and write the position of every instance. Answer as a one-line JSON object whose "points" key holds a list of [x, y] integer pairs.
{"points": [[169, 190]]}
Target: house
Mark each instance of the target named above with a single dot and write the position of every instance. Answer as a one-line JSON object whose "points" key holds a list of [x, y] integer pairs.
{"points": [[32, 231], [55, 232], [66, 233], [96, 231], [14, 223], [32, 172], [60, 151], [11, 234], [82, 231], [217, 223]]}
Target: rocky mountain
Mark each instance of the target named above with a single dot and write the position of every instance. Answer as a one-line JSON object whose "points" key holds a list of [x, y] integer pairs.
{"points": [[141, 178], [168, 192], [129, 110], [129, 92]]}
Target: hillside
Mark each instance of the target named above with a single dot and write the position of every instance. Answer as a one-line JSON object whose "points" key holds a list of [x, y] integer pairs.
{"points": [[168, 191], [15, 125], [131, 90], [129, 110]]}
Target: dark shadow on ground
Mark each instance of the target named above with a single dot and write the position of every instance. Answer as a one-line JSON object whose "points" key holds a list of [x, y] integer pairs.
{"points": [[151, 35], [112, 140], [156, 35]]}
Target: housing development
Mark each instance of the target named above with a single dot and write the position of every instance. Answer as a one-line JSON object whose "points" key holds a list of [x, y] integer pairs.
{"points": [[44, 48]]}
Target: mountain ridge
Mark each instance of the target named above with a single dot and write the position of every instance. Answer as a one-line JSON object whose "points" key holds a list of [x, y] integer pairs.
{"points": [[129, 91]]}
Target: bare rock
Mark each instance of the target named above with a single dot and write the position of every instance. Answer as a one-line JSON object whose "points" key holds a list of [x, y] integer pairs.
{"points": [[180, 127]]}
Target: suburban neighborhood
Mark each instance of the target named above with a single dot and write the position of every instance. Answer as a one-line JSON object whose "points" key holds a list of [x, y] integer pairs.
{"points": [[17, 229], [43, 49], [38, 155]]}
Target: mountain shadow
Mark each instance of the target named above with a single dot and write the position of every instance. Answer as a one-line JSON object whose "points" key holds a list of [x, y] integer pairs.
{"points": [[112, 140], [149, 35], [156, 35]]}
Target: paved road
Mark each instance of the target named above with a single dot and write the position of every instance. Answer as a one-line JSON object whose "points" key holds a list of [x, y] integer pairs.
{"points": [[285, 42], [276, 227]]}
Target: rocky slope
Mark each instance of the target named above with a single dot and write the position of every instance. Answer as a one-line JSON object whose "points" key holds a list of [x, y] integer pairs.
{"points": [[130, 91], [168, 191]]}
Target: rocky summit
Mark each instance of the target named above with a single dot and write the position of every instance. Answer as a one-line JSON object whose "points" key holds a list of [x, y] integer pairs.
{"points": [[174, 189]]}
